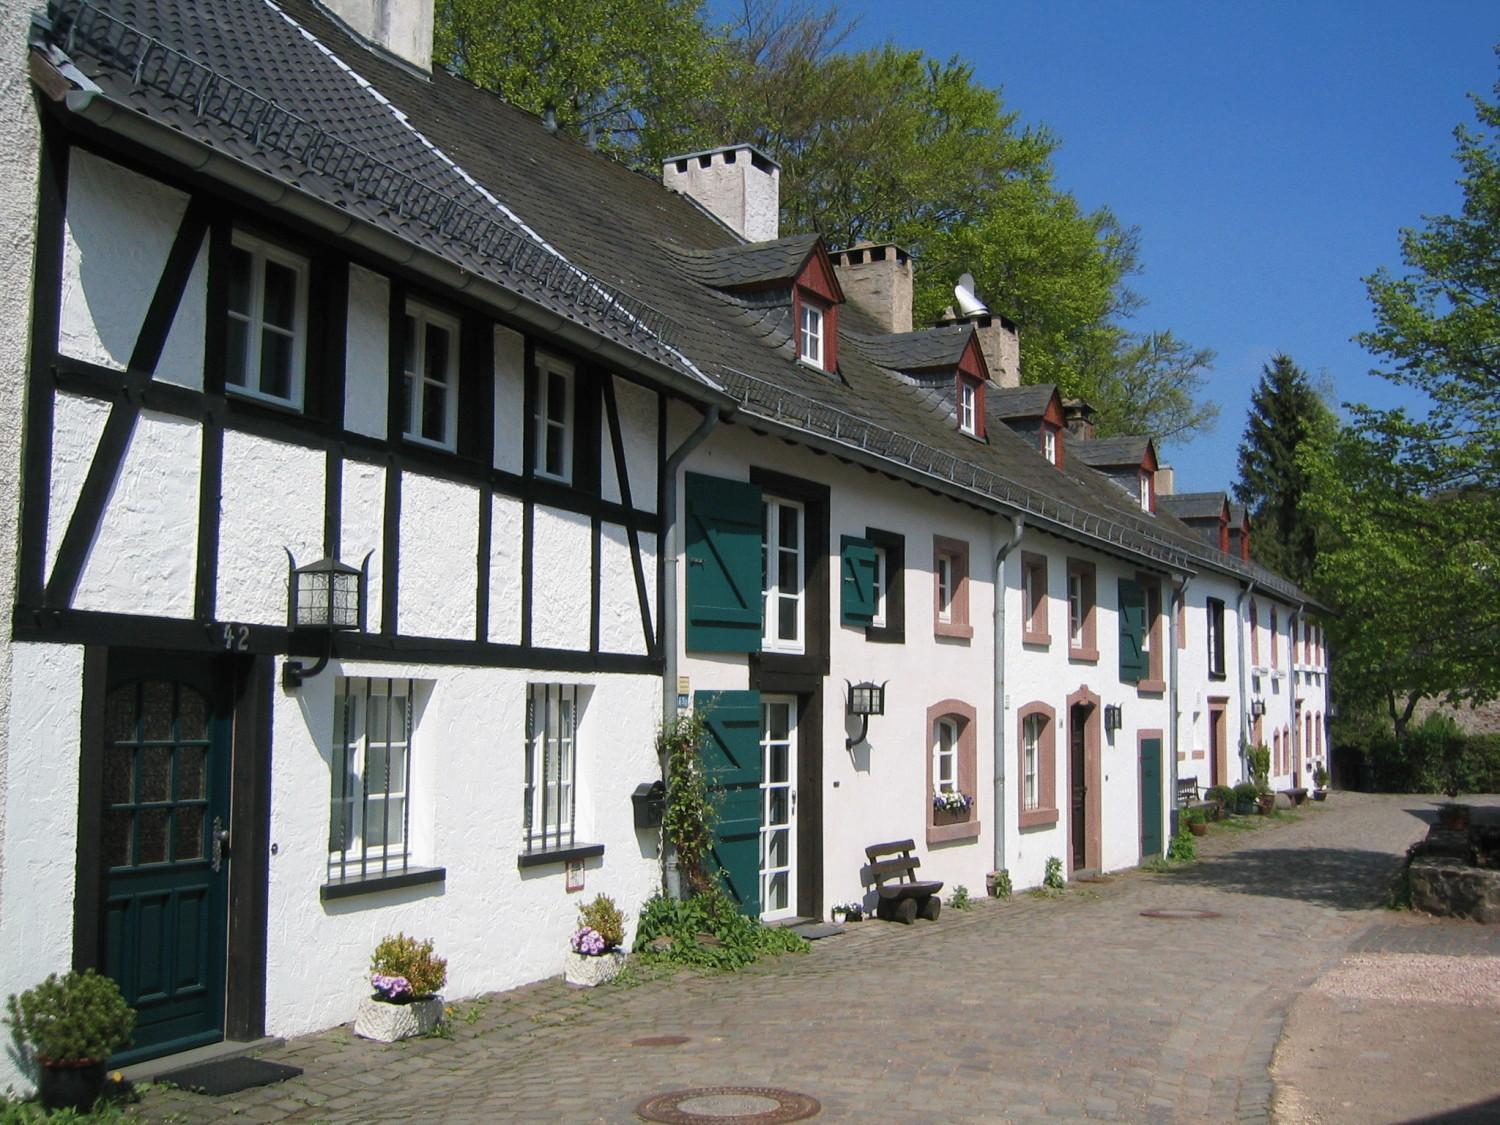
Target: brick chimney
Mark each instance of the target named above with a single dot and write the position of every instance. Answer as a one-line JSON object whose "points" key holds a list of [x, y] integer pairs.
{"points": [[1166, 480], [1078, 416], [738, 184], [401, 27], [999, 339], [879, 280]]}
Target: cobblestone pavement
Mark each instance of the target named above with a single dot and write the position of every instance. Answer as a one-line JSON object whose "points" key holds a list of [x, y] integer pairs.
{"points": [[1066, 1007]]}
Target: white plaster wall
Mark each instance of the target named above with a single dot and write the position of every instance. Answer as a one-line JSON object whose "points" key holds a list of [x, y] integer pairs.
{"points": [[498, 927], [40, 800], [506, 518], [361, 534], [271, 502], [438, 575], [510, 399], [182, 355], [561, 579], [637, 407], [620, 626], [367, 352], [144, 559], [119, 229], [77, 423], [1195, 688]]}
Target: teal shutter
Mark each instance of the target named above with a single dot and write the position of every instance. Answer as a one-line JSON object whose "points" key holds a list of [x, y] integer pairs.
{"points": [[857, 581], [731, 759], [723, 565], [1151, 802], [1133, 660]]}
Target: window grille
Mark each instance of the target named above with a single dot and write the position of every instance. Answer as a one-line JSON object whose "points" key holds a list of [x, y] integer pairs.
{"points": [[370, 807], [551, 742]]}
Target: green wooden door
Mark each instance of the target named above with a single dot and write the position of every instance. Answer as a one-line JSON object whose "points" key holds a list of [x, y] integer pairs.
{"points": [[1150, 797], [732, 760], [166, 794]]}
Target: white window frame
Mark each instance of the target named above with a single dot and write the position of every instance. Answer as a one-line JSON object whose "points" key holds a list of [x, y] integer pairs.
{"points": [[945, 587], [260, 252], [422, 317], [1145, 490], [1049, 444], [353, 795], [1031, 762], [544, 424], [877, 619], [968, 408], [810, 332], [945, 755], [772, 595], [550, 794], [1075, 609]]}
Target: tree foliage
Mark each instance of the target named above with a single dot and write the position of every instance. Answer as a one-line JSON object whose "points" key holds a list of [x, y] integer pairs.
{"points": [[1286, 413]]}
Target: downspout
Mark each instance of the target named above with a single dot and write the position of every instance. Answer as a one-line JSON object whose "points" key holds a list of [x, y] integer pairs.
{"points": [[1018, 530], [1244, 662], [1291, 673], [668, 551], [1174, 714]]}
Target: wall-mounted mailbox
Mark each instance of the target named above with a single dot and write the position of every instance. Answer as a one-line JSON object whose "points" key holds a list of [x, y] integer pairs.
{"points": [[650, 800]]}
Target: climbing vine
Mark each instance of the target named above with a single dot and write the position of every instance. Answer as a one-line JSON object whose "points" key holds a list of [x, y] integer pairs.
{"points": [[691, 809]]}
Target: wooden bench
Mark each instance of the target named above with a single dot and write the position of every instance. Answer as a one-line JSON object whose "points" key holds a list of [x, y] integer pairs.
{"points": [[902, 896], [1187, 792]]}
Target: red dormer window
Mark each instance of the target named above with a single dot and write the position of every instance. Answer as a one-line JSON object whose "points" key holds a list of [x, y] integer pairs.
{"points": [[815, 312], [810, 334], [1052, 443], [971, 405]]}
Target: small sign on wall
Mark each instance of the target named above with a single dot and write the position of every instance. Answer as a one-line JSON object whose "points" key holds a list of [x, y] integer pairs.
{"points": [[574, 874], [684, 691]]}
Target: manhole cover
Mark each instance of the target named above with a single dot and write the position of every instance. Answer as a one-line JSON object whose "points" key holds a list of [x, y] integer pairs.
{"points": [[713, 1104], [1180, 915], [659, 1041]]}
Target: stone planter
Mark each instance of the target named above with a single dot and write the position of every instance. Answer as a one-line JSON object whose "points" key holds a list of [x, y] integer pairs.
{"points": [[588, 971], [385, 1022], [73, 1086], [1320, 795]]}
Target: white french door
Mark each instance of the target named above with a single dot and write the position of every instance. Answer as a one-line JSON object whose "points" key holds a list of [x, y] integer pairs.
{"points": [[778, 819]]}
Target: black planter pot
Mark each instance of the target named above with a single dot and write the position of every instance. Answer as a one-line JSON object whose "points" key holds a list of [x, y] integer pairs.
{"points": [[71, 1087]]}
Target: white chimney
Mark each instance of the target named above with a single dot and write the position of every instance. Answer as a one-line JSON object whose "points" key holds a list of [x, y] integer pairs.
{"points": [[738, 184], [402, 27]]}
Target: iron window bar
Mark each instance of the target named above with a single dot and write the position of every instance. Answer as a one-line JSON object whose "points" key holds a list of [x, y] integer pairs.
{"points": [[353, 733], [551, 759]]}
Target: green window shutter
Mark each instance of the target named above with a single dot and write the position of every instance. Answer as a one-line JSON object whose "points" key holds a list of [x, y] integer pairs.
{"points": [[731, 759], [723, 565], [857, 581], [1134, 665]]}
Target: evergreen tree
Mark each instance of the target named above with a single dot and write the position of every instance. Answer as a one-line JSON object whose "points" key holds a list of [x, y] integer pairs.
{"points": [[1286, 412]]}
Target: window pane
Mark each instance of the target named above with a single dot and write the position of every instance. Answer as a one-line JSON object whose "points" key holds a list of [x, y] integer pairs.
{"points": [[188, 829], [281, 296], [192, 715], [776, 765], [557, 397], [190, 776], [241, 266], [409, 344], [151, 840], [275, 364], [119, 775], [791, 528], [786, 619], [435, 354], [435, 413], [553, 464], [156, 773], [156, 707], [116, 842], [236, 352]]}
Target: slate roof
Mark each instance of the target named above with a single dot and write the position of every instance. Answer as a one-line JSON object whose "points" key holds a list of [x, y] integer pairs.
{"points": [[1108, 453], [462, 174], [1193, 505], [1018, 402], [922, 350], [751, 264]]}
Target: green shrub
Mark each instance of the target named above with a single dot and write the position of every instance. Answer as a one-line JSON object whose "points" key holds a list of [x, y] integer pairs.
{"points": [[1182, 849], [1196, 815], [604, 918], [1003, 887], [72, 1017], [401, 956], [692, 804], [1053, 879], [736, 940], [959, 899], [1245, 790], [1434, 757], [1224, 795], [1259, 758]]}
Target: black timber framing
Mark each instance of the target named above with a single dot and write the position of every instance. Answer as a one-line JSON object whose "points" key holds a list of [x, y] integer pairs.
{"points": [[250, 850], [88, 876], [622, 475]]}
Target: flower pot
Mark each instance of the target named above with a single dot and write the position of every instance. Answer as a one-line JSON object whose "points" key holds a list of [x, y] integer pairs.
{"points": [[587, 971], [1267, 804], [950, 816], [74, 1086], [1320, 794], [386, 1022], [1198, 827]]}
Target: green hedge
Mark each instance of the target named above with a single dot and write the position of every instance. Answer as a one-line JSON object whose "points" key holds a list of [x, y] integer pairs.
{"points": [[1435, 757]]}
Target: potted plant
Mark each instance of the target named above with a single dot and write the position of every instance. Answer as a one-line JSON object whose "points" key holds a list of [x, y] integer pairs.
{"points": [[1197, 822], [848, 912], [406, 978], [71, 1024], [1222, 797], [596, 956], [951, 807], [1320, 782], [1244, 798]]}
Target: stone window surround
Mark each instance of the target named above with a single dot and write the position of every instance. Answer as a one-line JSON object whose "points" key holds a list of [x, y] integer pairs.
{"points": [[966, 718], [1045, 814]]}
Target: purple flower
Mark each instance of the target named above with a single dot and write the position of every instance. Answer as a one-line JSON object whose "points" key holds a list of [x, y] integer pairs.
{"points": [[393, 989], [589, 942]]}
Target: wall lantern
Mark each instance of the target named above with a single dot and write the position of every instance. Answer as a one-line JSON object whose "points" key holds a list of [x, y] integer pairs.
{"points": [[1257, 708], [324, 597], [865, 699], [1114, 717]]}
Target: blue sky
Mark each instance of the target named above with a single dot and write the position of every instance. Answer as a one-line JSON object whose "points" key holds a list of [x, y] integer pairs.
{"points": [[1269, 153]]}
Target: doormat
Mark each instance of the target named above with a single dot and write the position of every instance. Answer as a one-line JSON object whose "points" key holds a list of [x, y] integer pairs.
{"points": [[813, 931], [229, 1076]]}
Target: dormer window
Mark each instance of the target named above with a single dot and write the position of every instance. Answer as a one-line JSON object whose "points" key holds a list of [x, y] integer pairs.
{"points": [[968, 399], [1050, 443], [1145, 491], [810, 335]]}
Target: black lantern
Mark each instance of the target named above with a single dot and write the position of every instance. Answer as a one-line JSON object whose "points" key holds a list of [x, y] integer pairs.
{"points": [[323, 597], [865, 699], [1114, 718], [1257, 708]]}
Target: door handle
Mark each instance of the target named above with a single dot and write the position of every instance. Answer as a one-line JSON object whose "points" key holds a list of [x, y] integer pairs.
{"points": [[218, 844]]}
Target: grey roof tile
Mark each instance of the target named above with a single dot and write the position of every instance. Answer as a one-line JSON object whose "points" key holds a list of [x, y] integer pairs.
{"points": [[1019, 402], [922, 350], [749, 265], [1110, 452], [1193, 505]]}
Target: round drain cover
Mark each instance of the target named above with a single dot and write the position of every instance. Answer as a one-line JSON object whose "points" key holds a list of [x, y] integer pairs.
{"points": [[659, 1041], [710, 1105], [1177, 914]]}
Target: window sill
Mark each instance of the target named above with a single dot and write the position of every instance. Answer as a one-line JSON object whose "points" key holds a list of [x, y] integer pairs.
{"points": [[885, 634], [949, 833], [1151, 687], [542, 856], [1084, 655], [1042, 639], [371, 884], [1038, 818], [952, 629]]}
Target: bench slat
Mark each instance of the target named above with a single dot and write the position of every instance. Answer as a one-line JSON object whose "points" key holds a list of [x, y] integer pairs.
{"points": [[911, 890], [885, 868], [875, 851]]}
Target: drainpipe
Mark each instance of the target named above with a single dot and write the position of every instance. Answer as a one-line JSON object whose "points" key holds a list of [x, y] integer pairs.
{"points": [[668, 550], [998, 722], [1174, 715], [1291, 692], [1244, 662]]}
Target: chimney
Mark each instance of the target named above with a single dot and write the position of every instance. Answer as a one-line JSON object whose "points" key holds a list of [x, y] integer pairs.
{"points": [[738, 184], [401, 27], [998, 339], [1166, 480], [1078, 416], [879, 280]]}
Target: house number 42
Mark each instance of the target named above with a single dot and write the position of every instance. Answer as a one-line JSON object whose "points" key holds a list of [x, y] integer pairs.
{"points": [[236, 637]]}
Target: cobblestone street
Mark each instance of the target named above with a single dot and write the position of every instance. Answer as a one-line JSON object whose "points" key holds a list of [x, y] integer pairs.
{"points": [[1067, 1007]]}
